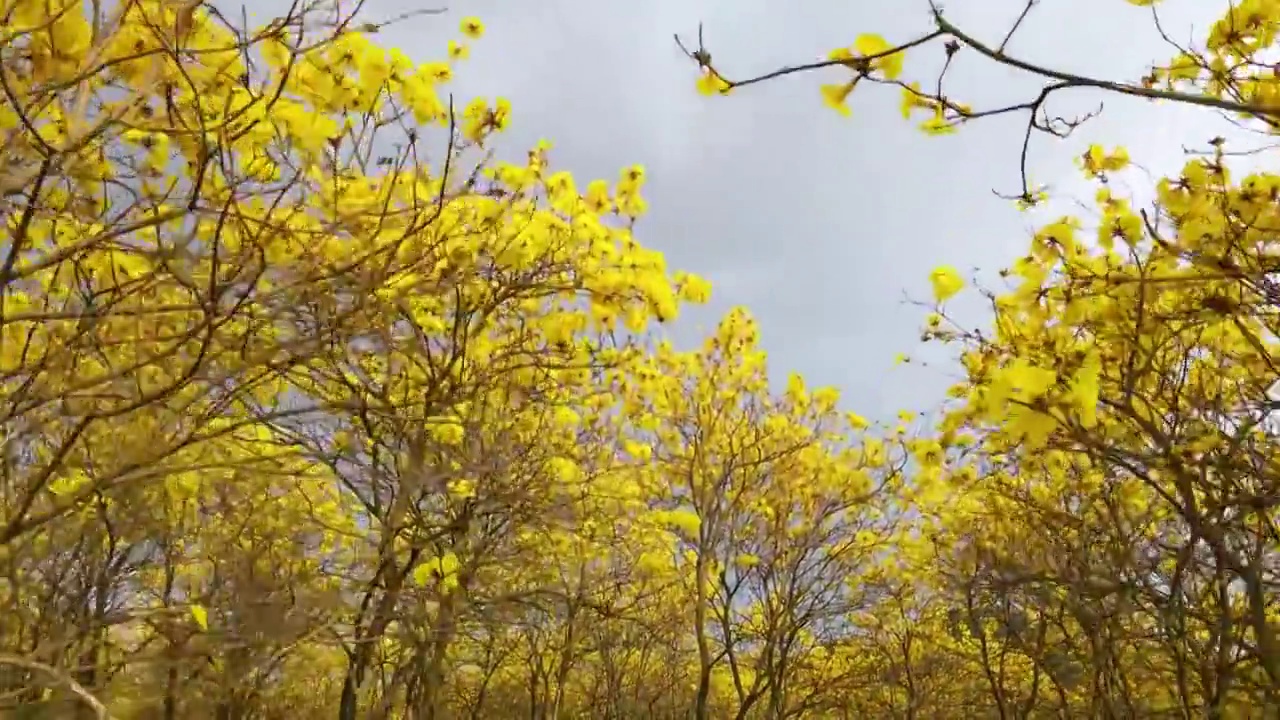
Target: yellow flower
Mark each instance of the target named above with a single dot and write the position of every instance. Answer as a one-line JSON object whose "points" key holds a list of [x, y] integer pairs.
{"points": [[912, 99], [501, 115], [711, 84], [276, 52], [826, 398], [937, 125], [597, 197], [448, 433], [443, 568], [1032, 198], [1084, 389], [1096, 160], [631, 179], [1184, 67], [946, 282], [631, 204], [694, 289], [435, 72], [472, 27], [872, 45], [835, 96], [200, 615], [458, 51]]}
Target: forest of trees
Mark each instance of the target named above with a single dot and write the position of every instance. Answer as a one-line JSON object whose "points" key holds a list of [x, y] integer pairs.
{"points": [[308, 410]]}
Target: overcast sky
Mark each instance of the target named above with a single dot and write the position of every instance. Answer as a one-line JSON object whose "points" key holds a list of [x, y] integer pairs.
{"points": [[820, 224]]}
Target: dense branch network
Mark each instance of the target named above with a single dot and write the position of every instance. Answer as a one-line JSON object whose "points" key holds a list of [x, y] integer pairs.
{"points": [[310, 406]]}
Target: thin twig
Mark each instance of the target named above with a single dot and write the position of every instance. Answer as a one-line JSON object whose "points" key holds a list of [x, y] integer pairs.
{"points": [[60, 678], [704, 59], [1072, 80], [1026, 10]]}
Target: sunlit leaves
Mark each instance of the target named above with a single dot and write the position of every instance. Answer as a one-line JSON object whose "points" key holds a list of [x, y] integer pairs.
{"points": [[306, 412], [200, 616]]}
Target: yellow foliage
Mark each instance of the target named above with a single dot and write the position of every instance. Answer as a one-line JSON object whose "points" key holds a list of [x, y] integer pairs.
{"points": [[405, 431]]}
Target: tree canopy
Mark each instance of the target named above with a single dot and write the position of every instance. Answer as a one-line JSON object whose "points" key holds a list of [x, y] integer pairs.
{"points": [[311, 407]]}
